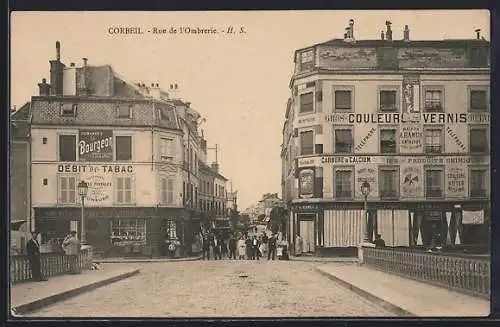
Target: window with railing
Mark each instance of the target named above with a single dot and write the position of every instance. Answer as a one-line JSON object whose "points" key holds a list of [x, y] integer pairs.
{"points": [[478, 140], [388, 142], [433, 183], [166, 149], [478, 100], [388, 183], [478, 183], [433, 140], [306, 102], [433, 100], [306, 142], [343, 141], [343, 183]]}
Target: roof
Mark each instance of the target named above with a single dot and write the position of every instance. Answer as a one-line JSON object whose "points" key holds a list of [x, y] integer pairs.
{"points": [[20, 122]]}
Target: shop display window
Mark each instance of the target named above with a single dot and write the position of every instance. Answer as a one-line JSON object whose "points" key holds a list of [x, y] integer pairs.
{"points": [[128, 232]]}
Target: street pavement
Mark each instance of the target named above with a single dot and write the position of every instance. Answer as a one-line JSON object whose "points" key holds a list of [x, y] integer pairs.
{"points": [[219, 289]]}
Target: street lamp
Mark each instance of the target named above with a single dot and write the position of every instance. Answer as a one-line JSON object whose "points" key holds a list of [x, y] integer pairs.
{"points": [[83, 188], [365, 190]]}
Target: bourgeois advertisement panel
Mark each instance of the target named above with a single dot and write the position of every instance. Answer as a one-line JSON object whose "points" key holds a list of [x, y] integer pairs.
{"points": [[95, 145]]}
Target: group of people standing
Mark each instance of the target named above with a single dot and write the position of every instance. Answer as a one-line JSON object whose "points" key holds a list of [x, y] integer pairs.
{"points": [[241, 247]]}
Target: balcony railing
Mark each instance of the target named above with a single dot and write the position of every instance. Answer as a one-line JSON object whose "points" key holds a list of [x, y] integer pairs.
{"points": [[433, 149], [388, 194], [478, 193], [433, 105], [51, 264], [433, 193], [469, 275]]}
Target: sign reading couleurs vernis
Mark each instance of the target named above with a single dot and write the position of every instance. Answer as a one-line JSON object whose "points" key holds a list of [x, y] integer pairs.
{"points": [[95, 145]]}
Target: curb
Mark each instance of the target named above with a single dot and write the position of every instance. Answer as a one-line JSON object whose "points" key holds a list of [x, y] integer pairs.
{"points": [[124, 260], [325, 260], [369, 296], [43, 302]]}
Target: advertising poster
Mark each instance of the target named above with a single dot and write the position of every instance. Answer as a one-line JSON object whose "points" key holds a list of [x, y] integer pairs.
{"points": [[412, 181], [95, 145], [369, 174], [456, 181], [411, 138], [100, 191], [306, 183]]}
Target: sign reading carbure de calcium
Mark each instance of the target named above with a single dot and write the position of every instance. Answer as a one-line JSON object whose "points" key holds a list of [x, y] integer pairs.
{"points": [[95, 145]]}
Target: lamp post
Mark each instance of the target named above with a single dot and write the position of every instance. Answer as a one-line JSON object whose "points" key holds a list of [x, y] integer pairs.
{"points": [[365, 190], [83, 188]]}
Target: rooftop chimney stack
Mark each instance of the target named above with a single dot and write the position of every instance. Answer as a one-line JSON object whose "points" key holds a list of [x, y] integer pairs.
{"points": [[351, 28], [44, 88], [72, 64], [388, 34], [215, 167], [478, 34], [382, 35], [84, 62], [57, 72], [58, 51], [406, 34]]}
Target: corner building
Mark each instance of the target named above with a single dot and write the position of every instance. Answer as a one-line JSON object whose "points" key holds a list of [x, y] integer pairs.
{"points": [[410, 117], [136, 148]]}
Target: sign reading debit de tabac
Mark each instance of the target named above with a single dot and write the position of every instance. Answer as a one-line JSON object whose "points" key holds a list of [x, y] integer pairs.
{"points": [[95, 145]]}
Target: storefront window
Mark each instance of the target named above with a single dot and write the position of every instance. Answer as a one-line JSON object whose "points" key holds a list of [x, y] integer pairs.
{"points": [[128, 232]]}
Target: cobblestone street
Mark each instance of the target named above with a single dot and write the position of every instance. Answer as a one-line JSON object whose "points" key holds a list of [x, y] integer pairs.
{"points": [[218, 289]]}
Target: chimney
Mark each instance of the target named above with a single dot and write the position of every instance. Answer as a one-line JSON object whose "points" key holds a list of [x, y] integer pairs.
{"points": [[56, 72], [478, 34], [382, 35], [44, 88], [58, 51], [85, 82], [406, 34], [157, 85], [188, 104], [351, 28], [388, 34], [152, 84], [215, 167], [72, 64]]}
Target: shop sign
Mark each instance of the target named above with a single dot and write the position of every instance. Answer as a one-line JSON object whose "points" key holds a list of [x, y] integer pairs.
{"points": [[364, 140], [306, 183], [405, 118], [306, 207], [308, 162], [112, 169], [411, 182], [411, 137], [95, 145], [456, 182], [369, 174], [307, 120]]}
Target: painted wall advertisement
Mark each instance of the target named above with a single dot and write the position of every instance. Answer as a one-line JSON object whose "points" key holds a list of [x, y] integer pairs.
{"points": [[411, 137], [100, 179], [456, 182], [95, 145], [369, 174], [412, 183], [306, 183]]}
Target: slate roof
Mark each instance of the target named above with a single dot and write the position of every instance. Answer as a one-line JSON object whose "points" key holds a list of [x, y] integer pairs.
{"points": [[20, 122]]}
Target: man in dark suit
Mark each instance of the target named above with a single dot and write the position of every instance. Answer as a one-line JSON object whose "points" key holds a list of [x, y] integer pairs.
{"points": [[33, 254], [272, 247]]}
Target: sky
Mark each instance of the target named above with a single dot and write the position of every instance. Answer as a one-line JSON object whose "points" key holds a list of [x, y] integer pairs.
{"points": [[238, 82]]}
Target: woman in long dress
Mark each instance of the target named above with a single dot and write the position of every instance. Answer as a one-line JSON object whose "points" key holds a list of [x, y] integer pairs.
{"points": [[298, 245], [242, 248]]}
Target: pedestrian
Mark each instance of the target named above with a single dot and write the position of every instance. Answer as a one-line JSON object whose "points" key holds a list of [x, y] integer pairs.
{"points": [[379, 242], [33, 254], [171, 249], [298, 245], [242, 248], [232, 247], [71, 246], [206, 246], [223, 247], [248, 247], [255, 248], [271, 247], [217, 248]]}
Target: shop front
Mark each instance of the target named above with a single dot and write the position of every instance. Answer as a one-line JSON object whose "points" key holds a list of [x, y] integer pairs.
{"points": [[116, 231]]}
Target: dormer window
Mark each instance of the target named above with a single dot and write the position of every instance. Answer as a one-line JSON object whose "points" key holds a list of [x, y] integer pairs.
{"points": [[68, 110], [124, 111]]}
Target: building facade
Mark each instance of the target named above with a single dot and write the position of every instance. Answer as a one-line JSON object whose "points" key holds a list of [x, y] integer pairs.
{"points": [[135, 146], [411, 118]]}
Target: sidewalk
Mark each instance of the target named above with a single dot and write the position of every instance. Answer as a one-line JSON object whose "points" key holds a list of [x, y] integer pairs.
{"points": [[132, 260], [324, 259], [405, 297], [31, 296]]}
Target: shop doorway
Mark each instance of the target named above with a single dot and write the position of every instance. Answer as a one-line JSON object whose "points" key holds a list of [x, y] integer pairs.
{"points": [[306, 229], [432, 229]]}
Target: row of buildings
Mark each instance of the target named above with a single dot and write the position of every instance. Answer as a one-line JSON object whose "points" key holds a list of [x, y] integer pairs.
{"points": [[411, 118], [139, 148]]}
